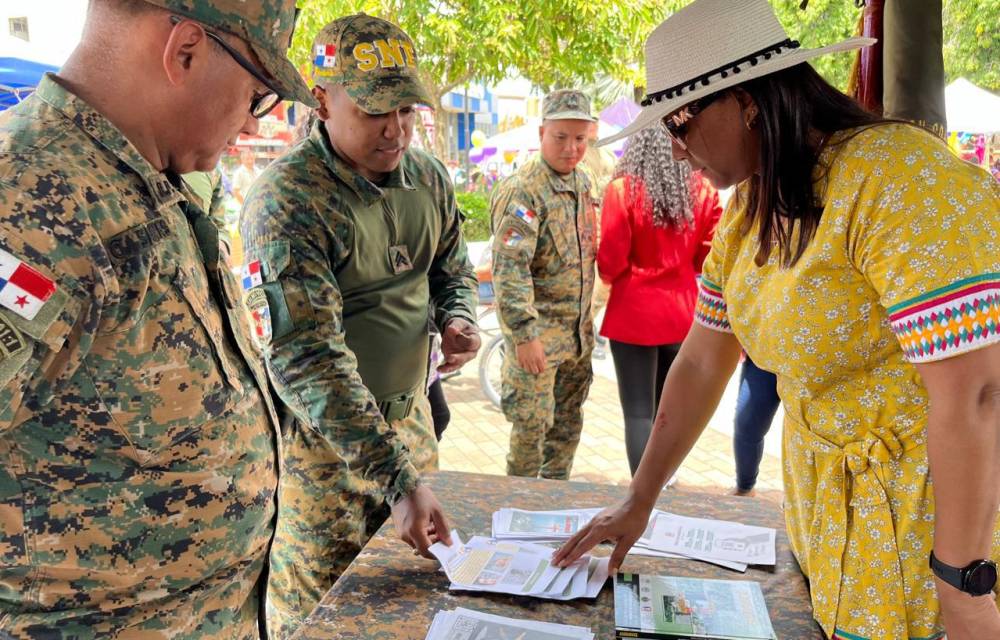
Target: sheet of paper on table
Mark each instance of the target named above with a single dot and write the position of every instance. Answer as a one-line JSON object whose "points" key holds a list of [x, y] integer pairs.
{"points": [[728, 544], [518, 568], [715, 541], [466, 624]]}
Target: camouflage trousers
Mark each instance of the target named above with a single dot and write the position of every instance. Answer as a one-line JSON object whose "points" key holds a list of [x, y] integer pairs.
{"points": [[546, 415], [326, 514]]}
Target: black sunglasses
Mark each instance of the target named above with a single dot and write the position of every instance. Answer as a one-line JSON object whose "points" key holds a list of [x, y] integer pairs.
{"points": [[261, 104], [677, 124]]}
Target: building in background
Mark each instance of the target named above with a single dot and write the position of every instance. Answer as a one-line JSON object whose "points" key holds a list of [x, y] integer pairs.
{"points": [[30, 30]]}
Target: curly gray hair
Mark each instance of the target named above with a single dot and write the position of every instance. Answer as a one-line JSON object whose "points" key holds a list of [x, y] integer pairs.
{"points": [[647, 161]]}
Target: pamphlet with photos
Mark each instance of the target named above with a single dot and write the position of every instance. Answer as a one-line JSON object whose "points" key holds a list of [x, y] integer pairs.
{"points": [[518, 568], [674, 608], [466, 624]]}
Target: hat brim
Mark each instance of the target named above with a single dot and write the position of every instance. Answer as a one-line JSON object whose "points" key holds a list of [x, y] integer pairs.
{"points": [[571, 115], [291, 82], [654, 113], [382, 94]]}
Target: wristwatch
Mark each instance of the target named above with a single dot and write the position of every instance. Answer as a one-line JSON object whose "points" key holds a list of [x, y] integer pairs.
{"points": [[976, 578]]}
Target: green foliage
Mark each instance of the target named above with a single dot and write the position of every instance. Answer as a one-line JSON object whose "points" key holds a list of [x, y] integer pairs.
{"points": [[599, 44], [476, 207], [822, 23], [972, 41]]}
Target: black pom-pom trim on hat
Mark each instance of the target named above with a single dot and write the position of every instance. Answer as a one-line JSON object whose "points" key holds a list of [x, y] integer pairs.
{"points": [[723, 72]]}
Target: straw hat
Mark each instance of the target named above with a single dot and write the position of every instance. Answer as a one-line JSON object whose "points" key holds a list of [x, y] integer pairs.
{"points": [[713, 44]]}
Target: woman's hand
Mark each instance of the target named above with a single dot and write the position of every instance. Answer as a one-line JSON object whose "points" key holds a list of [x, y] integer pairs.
{"points": [[967, 617], [622, 525]]}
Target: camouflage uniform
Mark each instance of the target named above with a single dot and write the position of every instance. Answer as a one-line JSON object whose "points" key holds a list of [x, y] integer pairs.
{"points": [[138, 461], [543, 275], [349, 269]]}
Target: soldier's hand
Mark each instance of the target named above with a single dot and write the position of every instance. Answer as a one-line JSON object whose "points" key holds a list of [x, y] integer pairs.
{"points": [[531, 356], [459, 343], [420, 520]]}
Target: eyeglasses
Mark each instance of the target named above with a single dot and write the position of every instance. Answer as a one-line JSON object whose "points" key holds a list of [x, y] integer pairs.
{"points": [[676, 125], [261, 104]]}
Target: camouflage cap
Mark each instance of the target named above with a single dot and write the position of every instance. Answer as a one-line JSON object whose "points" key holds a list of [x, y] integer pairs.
{"points": [[265, 25], [373, 59], [567, 104]]}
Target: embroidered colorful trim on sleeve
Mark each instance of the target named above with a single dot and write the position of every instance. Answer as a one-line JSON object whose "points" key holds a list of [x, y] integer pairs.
{"points": [[710, 311], [950, 320]]}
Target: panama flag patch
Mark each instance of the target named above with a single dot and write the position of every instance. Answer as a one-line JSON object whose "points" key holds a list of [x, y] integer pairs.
{"points": [[23, 290], [325, 56], [251, 275], [525, 214]]}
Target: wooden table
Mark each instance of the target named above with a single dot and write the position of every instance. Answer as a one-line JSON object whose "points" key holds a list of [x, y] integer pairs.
{"points": [[388, 593]]}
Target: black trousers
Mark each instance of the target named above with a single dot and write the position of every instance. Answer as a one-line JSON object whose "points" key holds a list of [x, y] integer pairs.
{"points": [[641, 371]]}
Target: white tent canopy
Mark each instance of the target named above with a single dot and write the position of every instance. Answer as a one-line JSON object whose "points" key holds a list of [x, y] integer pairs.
{"points": [[524, 139], [970, 108]]}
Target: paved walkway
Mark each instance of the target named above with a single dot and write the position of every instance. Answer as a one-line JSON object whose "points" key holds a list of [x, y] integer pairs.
{"points": [[478, 436]]}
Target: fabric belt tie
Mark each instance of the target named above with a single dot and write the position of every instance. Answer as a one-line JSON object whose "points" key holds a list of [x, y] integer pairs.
{"points": [[854, 476]]}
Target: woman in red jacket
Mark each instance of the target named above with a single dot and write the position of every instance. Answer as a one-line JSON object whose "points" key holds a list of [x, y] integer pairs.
{"points": [[656, 228]]}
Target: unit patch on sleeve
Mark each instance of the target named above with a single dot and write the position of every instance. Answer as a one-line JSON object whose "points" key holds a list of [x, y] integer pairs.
{"points": [[260, 316], [11, 341]]}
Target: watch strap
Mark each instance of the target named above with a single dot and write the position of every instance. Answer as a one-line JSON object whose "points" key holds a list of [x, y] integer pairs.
{"points": [[951, 575]]}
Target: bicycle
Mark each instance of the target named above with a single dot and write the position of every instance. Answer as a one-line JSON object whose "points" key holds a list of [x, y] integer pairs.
{"points": [[492, 355]]}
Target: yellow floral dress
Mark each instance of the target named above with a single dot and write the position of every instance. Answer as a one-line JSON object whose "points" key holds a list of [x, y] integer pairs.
{"points": [[904, 268]]}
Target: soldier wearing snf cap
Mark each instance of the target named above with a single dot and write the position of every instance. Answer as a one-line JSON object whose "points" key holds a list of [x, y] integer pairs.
{"points": [[138, 445], [355, 234], [543, 272]]}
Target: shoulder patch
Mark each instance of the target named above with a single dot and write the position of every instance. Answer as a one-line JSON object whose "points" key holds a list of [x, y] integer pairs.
{"points": [[512, 237], [23, 289], [525, 214]]}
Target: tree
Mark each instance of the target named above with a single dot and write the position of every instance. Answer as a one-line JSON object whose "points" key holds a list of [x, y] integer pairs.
{"points": [[972, 41], [552, 43]]}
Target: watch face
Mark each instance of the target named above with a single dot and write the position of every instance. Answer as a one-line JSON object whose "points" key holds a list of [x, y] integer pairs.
{"points": [[981, 578]]}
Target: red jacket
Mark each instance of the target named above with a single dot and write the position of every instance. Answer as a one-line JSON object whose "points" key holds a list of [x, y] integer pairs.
{"points": [[652, 270]]}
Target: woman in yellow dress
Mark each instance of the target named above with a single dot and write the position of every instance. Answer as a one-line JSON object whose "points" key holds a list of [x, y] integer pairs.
{"points": [[860, 262]]}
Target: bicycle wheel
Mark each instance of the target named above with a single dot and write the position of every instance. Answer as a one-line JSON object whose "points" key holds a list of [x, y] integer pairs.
{"points": [[490, 364]]}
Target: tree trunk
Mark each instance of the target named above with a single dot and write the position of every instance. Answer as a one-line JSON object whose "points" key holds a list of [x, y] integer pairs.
{"points": [[914, 63]]}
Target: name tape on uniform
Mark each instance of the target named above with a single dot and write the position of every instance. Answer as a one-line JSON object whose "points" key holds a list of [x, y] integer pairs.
{"points": [[23, 290]]}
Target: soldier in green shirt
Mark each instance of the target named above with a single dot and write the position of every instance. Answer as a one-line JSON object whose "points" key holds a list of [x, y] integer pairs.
{"points": [[543, 275], [138, 451], [354, 235]]}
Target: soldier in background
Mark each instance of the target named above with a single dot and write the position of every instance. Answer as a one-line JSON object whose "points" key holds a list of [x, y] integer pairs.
{"points": [[138, 462], [543, 274], [354, 234]]}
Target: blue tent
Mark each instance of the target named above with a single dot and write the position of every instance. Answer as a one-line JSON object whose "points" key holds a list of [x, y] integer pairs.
{"points": [[18, 78]]}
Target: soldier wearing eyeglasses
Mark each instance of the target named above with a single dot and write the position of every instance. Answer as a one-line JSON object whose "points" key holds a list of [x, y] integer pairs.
{"points": [[138, 444]]}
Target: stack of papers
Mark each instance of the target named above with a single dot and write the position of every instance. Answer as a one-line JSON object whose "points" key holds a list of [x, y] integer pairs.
{"points": [[518, 568], [465, 624], [518, 524], [728, 544]]}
